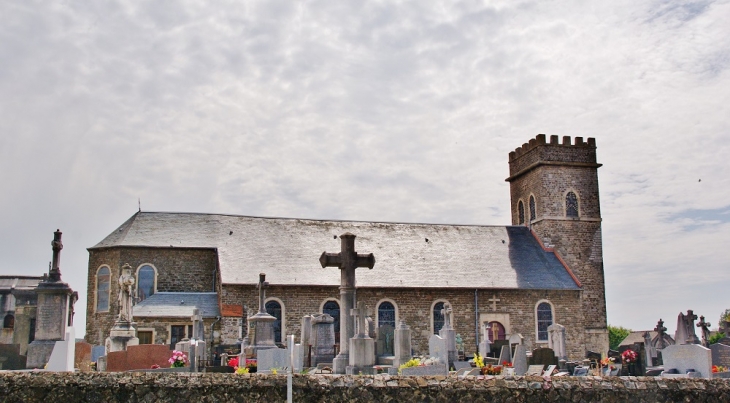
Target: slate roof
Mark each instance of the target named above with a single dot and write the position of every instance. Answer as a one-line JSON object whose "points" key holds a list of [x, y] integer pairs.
{"points": [[177, 305], [19, 282], [288, 250]]}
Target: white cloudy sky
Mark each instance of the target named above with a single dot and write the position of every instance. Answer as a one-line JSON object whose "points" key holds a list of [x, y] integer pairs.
{"points": [[383, 111]]}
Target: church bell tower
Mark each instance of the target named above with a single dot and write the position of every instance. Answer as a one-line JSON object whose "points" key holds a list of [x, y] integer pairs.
{"points": [[554, 191]]}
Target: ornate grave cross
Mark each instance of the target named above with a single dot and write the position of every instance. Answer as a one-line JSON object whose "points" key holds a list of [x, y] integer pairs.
{"points": [[661, 331], [690, 326], [705, 326], [197, 324], [446, 312], [262, 286], [360, 313], [494, 301], [347, 261]]}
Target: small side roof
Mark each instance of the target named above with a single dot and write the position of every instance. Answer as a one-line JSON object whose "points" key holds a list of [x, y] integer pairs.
{"points": [[177, 305], [406, 255], [19, 282]]}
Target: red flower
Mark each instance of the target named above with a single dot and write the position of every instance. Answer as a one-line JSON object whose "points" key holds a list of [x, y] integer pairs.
{"points": [[233, 362]]}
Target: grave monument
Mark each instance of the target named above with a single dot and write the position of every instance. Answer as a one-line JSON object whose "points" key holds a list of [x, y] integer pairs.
{"points": [[54, 318], [556, 340], [362, 346], [322, 339], [402, 347], [449, 334], [124, 331], [262, 323], [347, 261]]}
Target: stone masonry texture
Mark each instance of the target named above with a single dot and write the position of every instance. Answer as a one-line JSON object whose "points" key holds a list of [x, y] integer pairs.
{"points": [[37, 387]]}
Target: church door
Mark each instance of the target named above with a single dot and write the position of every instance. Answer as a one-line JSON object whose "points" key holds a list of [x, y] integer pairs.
{"points": [[496, 331]]}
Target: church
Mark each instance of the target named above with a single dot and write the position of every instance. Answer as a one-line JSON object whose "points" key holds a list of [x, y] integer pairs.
{"points": [[544, 268]]}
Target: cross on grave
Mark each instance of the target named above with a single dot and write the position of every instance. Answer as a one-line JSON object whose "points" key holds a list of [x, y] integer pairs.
{"points": [[446, 312], [705, 326], [197, 324], [262, 286], [347, 261], [661, 330], [494, 301], [360, 313]]}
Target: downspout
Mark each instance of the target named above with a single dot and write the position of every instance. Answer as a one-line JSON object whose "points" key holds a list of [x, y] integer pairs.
{"points": [[476, 319]]}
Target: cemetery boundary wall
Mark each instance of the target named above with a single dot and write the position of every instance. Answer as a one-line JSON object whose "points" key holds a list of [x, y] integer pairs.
{"points": [[180, 387]]}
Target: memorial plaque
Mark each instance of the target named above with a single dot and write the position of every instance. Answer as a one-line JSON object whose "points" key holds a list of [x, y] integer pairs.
{"points": [[720, 355]]}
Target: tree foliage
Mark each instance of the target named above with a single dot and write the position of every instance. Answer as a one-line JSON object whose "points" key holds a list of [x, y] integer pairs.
{"points": [[616, 334], [716, 337]]}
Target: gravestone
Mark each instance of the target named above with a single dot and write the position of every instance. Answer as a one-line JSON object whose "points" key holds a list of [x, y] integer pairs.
{"points": [[402, 348], [485, 344], [272, 358], [688, 356], [54, 310], [725, 341], [348, 260], [720, 354], [262, 323], [461, 364], [580, 371], [432, 370], [82, 356], [385, 343], [534, 370], [305, 339], [515, 339], [556, 340], [448, 333], [437, 349], [519, 361], [298, 363], [362, 346], [96, 352], [705, 331], [505, 355], [142, 356], [549, 370], [323, 339], [543, 356], [497, 347], [10, 358]]}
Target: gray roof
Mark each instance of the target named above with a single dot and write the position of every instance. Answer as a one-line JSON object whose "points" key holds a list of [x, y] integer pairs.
{"points": [[19, 282], [177, 305], [288, 250]]}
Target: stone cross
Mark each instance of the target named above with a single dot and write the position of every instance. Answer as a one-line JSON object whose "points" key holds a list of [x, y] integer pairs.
{"points": [[197, 324], [690, 326], [661, 331], [705, 326], [55, 269], [494, 301], [347, 261], [360, 313], [446, 312], [262, 286]]}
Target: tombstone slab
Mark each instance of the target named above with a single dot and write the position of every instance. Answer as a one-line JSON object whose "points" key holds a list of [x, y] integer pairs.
{"points": [[720, 354], [519, 361], [10, 357], [402, 347], [142, 356], [543, 356], [272, 358], [438, 369], [323, 339], [437, 349], [505, 355], [688, 356]]}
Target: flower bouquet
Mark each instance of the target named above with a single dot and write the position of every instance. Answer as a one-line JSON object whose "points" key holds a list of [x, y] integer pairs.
{"points": [[629, 356], [491, 369], [251, 365], [718, 368], [178, 359]]}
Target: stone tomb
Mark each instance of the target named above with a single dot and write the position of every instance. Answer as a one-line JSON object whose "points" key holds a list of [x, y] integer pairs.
{"points": [[437, 348], [323, 339], [519, 361], [720, 354], [402, 348], [272, 358], [385, 343], [82, 356], [142, 356], [362, 346], [543, 356], [10, 357], [686, 357], [438, 369]]}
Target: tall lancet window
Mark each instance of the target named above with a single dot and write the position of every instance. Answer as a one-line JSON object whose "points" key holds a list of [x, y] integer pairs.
{"points": [[521, 212], [532, 208], [102, 289], [571, 205]]}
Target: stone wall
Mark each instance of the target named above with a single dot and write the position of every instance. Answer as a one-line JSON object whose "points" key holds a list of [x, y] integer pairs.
{"points": [[415, 306], [32, 387]]}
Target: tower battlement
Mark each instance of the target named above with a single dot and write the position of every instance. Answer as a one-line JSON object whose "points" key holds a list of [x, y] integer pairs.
{"points": [[539, 151]]}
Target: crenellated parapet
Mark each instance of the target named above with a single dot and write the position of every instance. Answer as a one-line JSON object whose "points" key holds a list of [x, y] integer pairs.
{"points": [[539, 151]]}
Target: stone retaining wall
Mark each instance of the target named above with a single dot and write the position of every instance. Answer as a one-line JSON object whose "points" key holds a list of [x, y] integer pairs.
{"points": [[29, 387]]}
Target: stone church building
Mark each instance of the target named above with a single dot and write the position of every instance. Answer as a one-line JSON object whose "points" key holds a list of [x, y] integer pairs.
{"points": [[545, 268]]}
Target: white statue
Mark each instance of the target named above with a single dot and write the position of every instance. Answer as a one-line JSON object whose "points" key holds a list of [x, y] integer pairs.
{"points": [[126, 294]]}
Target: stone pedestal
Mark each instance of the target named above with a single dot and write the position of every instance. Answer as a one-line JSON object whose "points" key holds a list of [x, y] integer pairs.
{"points": [[449, 335], [362, 352], [54, 303], [122, 335], [402, 346], [263, 331]]}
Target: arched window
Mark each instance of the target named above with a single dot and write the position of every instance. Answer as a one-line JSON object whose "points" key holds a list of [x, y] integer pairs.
{"points": [[273, 308], [571, 205], [532, 208], [145, 282], [386, 314], [544, 319], [332, 308], [102, 289], [438, 317], [9, 321], [521, 211]]}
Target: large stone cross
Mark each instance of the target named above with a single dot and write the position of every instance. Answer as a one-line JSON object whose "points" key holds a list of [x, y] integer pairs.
{"points": [[262, 286], [347, 261], [705, 326]]}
